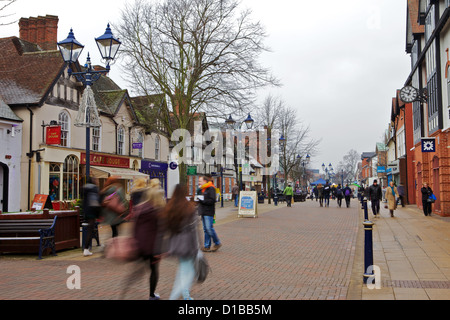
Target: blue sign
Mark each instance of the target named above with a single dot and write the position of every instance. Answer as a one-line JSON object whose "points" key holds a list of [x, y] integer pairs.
{"points": [[173, 165], [428, 145], [381, 169], [137, 145], [149, 165], [247, 203]]}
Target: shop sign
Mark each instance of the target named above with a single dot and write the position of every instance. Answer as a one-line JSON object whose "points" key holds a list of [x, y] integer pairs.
{"points": [[106, 161], [248, 204], [53, 135], [191, 170], [149, 165], [381, 169], [41, 201], [428, 145], [137, 145]]}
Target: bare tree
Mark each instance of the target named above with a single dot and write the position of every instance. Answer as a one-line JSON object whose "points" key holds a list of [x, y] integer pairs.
{"points": [[346, 169], [201, 54], [3, 5]]}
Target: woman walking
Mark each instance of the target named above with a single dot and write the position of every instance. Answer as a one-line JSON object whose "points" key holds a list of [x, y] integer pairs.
{"points": [[391, 196], [181, 223], [426, 193], [148, 232]]}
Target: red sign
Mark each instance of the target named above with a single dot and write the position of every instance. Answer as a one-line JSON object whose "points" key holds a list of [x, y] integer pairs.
{"points": [[106, 161], [53, 135], [41, 201]]}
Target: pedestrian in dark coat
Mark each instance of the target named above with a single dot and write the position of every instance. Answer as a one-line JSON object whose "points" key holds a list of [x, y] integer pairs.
{"points": [[347, 195], [375, 196], [91, 211], [426, 193], [207, 210]]}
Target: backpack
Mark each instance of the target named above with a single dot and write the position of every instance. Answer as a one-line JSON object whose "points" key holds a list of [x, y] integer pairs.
{"points": [[339, 192], [347, 192]]}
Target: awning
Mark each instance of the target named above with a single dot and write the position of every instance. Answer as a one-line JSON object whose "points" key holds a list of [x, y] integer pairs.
{"points": [[122, 173]]}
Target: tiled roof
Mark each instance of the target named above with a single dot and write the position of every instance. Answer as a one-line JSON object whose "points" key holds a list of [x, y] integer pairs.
{"points": [[413, 8], [26, 72], [6, 112]]}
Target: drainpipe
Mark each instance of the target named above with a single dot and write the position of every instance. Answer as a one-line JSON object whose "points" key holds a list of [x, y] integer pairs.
{"points": [[30, 155]]}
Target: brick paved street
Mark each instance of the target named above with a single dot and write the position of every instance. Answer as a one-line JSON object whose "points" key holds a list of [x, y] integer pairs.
{"points": [[304, 252]]}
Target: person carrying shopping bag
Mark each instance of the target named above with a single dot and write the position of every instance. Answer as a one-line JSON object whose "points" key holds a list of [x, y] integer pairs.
{"points": [[391, 196]]}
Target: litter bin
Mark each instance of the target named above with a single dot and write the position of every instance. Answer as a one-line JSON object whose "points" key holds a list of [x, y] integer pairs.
{"points": [[275, 199], [260, 198]]}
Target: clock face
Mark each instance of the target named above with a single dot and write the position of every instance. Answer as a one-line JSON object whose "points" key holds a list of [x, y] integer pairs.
{"points": [[408, 94]]}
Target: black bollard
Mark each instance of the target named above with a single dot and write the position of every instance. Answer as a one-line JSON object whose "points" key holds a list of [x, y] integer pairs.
{"points": [[368, 250], [366, 214]]}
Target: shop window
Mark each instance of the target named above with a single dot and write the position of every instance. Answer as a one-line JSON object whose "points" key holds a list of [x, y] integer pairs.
{"points": [[64, 121], [55, 181], [71, 178]]}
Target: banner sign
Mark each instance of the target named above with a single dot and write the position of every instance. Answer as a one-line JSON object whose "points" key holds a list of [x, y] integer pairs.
{"points": [[106, 161], [137, 145], [428, 145], [248, 204], [381, 169], [53, 135]]}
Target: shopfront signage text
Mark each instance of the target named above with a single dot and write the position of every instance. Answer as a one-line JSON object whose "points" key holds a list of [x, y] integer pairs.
{"points": [[106, 161]]}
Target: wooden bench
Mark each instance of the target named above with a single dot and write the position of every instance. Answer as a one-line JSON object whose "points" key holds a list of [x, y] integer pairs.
{"points": [[24, 230]]}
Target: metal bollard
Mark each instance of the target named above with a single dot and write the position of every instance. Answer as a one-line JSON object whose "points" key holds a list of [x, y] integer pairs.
{"points": [[366, 214], [368, 250]]}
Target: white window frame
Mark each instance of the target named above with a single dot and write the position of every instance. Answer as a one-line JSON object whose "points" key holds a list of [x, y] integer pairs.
{"points": [[121, 140], [96, 138], [157, 147], [64, 120]]}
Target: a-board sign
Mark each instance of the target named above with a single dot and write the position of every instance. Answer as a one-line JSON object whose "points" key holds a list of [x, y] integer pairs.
{"points": [[248, 204], [41, 201]]}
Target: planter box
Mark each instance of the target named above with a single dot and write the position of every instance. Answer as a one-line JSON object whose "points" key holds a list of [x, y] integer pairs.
{"points": [[67, 231]]}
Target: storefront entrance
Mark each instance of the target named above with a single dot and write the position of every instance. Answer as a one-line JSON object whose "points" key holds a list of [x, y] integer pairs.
{"points": [[156, 170]]}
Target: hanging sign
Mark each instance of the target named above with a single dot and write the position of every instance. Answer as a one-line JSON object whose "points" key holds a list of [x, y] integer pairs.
{"points": [[137, 145], [428, 145], [248, 204], [53, 135]]}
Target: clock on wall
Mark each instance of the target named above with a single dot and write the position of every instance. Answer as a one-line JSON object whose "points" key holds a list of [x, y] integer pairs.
{"points": [[408, 94]]}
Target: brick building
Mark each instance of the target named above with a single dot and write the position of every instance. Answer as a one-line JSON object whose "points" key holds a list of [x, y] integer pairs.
{"points": [[428, 42]]}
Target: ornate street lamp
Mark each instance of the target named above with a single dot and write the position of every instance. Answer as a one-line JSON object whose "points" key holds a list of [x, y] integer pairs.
{"points": [[70, 50]]}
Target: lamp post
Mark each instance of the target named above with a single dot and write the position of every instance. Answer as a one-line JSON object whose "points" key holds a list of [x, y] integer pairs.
{"points": [[231, 124], [70, 50]]}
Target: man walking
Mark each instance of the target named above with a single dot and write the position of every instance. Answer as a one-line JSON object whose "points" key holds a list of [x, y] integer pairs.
{"points": [[235, 194], [326, 194], [375, 196], [288, 192], [207, 210]]}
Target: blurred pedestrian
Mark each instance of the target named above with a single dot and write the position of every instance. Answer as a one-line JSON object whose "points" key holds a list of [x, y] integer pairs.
{"points": [[182, 225], [148, 232], [401, 194], [326, 194], [426, 193], [288, 192], [140, 186], [114, 204], [207, 211], [375, 196], [91, 211], [391, 196], [347, 195], [320, 194], [339, 195]]}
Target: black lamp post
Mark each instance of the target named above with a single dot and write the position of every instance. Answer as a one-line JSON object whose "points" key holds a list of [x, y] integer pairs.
{"points": [[70, 50], [231, 124]]}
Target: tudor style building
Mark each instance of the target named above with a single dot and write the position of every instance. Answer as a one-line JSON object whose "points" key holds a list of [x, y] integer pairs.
{"points": [[44, 100], [428, 42]]}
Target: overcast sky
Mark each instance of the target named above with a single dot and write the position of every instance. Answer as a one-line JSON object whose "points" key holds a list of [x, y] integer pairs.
{"points": [[340, 62]]}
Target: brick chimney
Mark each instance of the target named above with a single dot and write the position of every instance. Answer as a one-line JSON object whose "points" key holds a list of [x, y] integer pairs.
{"points": [[42, 31]]}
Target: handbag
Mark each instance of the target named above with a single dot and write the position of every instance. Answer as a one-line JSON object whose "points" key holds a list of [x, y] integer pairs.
{"points": [[122, 249], [201, 267], [114, 203], [431, 198]]}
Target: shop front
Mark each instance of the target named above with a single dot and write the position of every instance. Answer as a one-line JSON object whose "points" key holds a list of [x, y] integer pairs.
{"points": [[156, 170], [104, 166]]}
